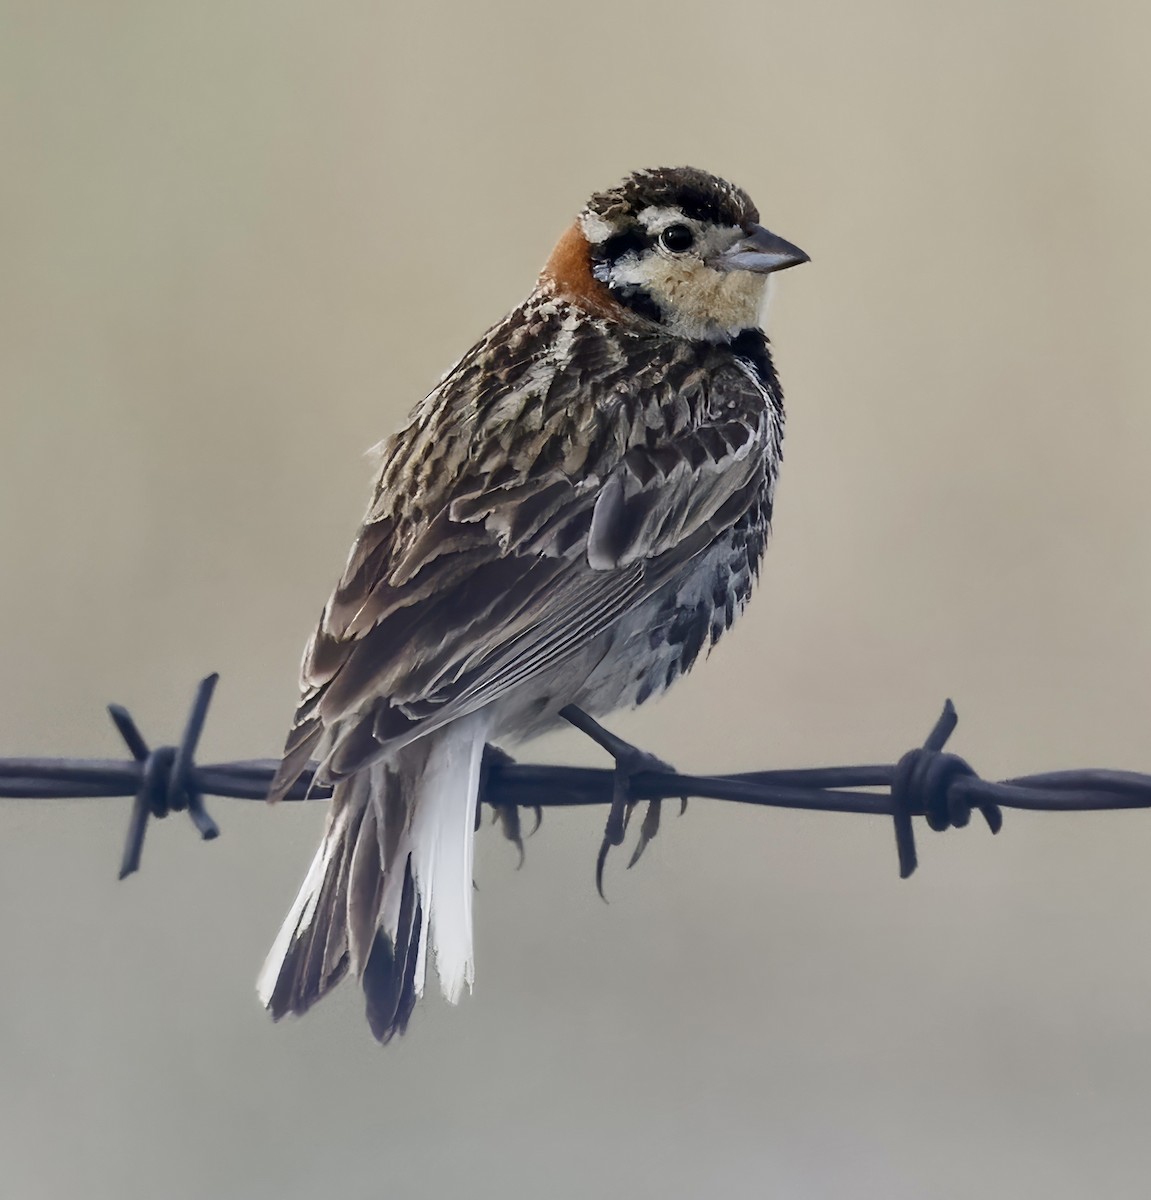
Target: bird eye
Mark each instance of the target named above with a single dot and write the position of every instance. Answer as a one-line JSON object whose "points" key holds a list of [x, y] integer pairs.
{"points": [[677, 238]]}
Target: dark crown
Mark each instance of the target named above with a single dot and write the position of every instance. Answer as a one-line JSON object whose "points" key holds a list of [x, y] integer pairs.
{"points": [[695, 193]]}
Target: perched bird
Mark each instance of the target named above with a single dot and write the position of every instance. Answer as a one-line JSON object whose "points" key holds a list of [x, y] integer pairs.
{"points": [[575, 511]]}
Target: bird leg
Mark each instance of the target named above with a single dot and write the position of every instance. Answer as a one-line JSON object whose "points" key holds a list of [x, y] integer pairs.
{"points": [[629, 762]]}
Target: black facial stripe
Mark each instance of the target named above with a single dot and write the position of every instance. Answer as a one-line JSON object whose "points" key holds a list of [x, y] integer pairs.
{"points": [[638, 300], [633, 239], [751, 346]]}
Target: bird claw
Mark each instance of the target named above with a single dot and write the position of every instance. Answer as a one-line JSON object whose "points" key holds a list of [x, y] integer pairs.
{"points": [[647, 831], [508, 815], [630, 761]]}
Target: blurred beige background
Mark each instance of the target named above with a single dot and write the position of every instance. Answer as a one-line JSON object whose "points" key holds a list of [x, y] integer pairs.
{"points": [[239, 241]]}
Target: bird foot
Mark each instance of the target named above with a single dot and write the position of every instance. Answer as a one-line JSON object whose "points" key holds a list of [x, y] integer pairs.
{"points": [[507, 815], [630, 761]]}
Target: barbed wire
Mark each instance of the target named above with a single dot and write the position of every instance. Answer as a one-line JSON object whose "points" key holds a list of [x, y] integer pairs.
{"points": [[926, 782]]}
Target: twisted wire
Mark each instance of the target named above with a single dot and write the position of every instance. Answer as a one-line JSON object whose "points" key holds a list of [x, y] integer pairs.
{"points": [[926, 783]]}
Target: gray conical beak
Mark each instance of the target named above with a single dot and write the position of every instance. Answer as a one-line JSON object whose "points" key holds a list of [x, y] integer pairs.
{"points": [[761, 251]]}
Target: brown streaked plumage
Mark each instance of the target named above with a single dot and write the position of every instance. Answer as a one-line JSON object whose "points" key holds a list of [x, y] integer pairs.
{"points": [[574, 512]]}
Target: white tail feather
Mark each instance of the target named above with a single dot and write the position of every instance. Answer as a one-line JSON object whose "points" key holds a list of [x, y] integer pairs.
{"points": [[440, 779], [440, 840], [444, 843]]}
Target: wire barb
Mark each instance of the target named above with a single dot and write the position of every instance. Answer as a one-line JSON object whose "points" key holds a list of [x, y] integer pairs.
{"points": [[922, 786], [167, 776]]}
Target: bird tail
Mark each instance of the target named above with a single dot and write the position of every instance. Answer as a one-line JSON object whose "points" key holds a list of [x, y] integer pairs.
{"points": [[395, 863]]}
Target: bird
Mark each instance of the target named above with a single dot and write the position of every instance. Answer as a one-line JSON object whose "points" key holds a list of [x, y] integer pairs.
{"points": [[563, 524]]}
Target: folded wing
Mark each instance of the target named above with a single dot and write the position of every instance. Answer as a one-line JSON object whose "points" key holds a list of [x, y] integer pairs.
{"points": [[465, 584]]}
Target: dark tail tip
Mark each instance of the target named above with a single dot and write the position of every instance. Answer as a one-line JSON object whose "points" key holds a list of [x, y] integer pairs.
{"points": [[389, 979]]}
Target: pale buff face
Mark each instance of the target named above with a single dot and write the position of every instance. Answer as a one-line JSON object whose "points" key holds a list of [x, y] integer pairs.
{"points": [[698, 298]]}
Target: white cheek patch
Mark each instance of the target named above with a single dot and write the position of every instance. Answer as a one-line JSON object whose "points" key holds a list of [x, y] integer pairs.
{"points": [[633, 270], [595, 228]]}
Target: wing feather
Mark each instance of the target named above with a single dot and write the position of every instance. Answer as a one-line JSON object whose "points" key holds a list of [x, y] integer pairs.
{"points": [[495, 547]]}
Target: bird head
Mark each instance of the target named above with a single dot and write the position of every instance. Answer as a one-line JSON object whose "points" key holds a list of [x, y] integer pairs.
{"points": [[673, 247]]}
